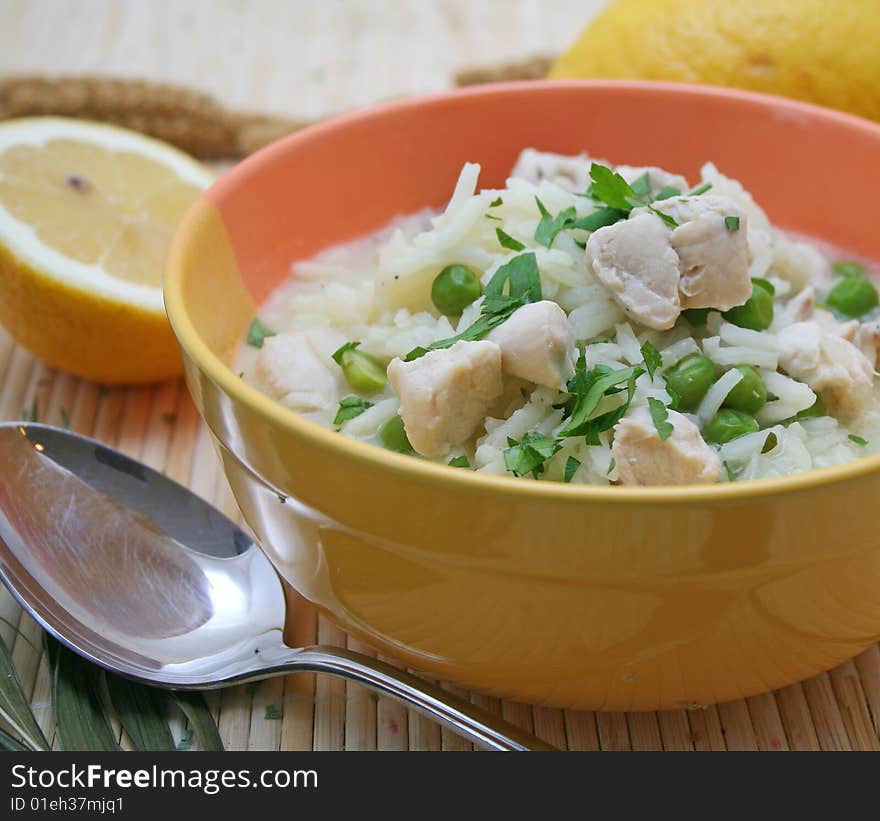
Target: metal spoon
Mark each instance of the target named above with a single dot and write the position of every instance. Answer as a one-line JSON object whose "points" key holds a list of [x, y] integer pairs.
{"points": [[136, 573]]}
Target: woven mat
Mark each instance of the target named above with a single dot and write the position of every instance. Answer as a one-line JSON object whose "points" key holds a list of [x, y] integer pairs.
{"points": [[308, 59]]}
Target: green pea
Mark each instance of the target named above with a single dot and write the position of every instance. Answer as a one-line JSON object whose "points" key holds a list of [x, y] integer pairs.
{"points": [[757, 311], [393, 436], [848, 268], [364, 373], [690, 379], [696, 316], [454, 288], [749, 394], [727, 424], [852, 297]]}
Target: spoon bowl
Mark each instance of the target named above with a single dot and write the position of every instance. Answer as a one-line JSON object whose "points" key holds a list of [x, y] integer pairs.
{"points": [[137, 574]]}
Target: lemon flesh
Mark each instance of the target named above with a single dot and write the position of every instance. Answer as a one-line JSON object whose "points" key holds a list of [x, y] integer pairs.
{"points": [[810, 50], [87, 212]]}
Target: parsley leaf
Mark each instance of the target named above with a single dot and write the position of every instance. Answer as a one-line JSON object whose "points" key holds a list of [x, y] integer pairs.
{"points": [[529, 454], [257, 333], [652, 358], [523, 281], [337, 354], [496, 202], [507, 241], [589, 387], [642, 185], [666, 192], [858, 440], [349, 408], [550, 226], [571, 467], [459, 462], [731, 477], [659, 417], [608, 420], [611, 465], [765, 284], [731, 223], [610, 188], [700, 189]]}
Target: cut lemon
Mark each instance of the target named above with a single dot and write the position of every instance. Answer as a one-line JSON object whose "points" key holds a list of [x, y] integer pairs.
{"points": [[86, 217]]}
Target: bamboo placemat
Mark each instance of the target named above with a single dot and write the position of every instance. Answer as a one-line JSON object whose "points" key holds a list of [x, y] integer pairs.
{"points": [[303, 59]]}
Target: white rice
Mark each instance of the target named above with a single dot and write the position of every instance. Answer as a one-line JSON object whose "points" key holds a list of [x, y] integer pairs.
{"points": [[377, 290]]}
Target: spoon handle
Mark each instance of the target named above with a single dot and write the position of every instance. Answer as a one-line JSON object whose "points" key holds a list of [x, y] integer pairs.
{"points": [[459, 715]]}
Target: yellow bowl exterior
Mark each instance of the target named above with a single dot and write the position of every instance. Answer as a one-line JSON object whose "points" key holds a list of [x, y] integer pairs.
{"points": [[601, 598]]}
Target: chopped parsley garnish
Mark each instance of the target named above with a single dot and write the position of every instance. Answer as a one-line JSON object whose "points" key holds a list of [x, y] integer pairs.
{"points": [[492, 217], [731, 223], [571, 467], [765, 284], [337, 354], [611, 188], [550, 226], [258, 333], [858, 440], [659, 416], [523, 282], [587, 389], [606, 421], [700, 189], [507, 241], [496, 202], [611, 465], [666, 192], [730, 475], [459, 462], [529, 454], [642, 185], [652, 358], [349, 408]]}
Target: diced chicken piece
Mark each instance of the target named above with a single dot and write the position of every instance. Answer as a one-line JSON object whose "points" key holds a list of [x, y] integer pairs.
{"points": [[658, 178], [445, 394], [645, 459], [827, 363], [635, 261], [713, 259], [570, 173], [803, 307], [296, 369], [867, 340], [799, 307], [538, 344]]}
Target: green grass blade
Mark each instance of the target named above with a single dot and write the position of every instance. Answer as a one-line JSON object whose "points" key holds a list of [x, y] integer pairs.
{"points": [[12, 745], [196, 710], [142, 711], [14, 705], [79, 714]]}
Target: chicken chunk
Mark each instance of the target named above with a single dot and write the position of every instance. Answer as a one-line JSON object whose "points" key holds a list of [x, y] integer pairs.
{"points": [[636, 262], [803, 306], [867, 340], [538, 344], [827, 363], [713, 257], [296, 369], [570, 173], [657, 177], [445, 394], [644, 459]]}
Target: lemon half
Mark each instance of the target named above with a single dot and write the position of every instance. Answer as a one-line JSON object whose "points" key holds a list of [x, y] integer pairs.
{"points": [[87, 212]]}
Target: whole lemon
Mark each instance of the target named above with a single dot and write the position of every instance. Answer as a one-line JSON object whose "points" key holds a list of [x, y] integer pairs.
{"points": [[815, 50]]}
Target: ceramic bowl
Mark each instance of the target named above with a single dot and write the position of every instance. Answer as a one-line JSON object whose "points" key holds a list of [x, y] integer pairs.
{"points": [[591, 597]]}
